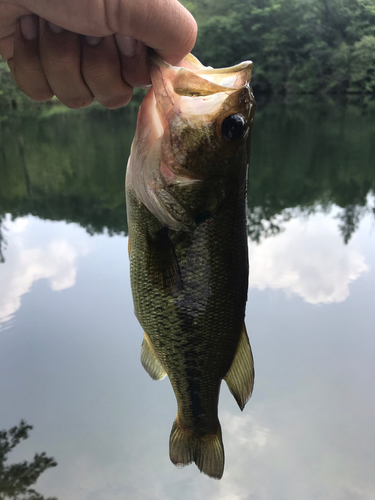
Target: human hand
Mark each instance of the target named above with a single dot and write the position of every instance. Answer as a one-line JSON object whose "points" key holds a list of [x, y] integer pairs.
{"points": [[43, 44]]}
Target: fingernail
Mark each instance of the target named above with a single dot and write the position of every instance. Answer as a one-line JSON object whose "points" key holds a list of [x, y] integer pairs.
{"points": [[29, 26], [146, 87], [126, 44], [93, 40], [55, 29]]}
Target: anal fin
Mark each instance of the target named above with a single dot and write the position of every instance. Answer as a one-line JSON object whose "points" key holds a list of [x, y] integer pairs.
{"points": [[150, 362], [240, 376]]}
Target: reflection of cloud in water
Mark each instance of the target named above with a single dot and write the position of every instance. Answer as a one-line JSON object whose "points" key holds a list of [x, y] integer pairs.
{"points": [[308, 259], [27, 263], [285, 463], [244, 431], [247, 443]]}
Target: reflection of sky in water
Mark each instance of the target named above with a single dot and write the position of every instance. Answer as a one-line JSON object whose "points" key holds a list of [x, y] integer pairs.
{"points": [[69, 365], [309, 260], [28, 261]]}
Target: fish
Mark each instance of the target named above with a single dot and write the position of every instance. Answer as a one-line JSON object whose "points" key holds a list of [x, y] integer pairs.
{"points": [[186, 189]]}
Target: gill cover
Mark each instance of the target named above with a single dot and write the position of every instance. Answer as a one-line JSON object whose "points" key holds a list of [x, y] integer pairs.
{"points": [[191, 127]]}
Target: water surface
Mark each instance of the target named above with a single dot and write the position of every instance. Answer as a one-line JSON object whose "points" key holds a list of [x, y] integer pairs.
{"points": [[70, 344]]}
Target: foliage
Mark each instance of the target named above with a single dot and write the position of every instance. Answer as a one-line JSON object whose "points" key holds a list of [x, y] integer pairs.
{"points": [[16, 479], [363, 65], [306, 156], [2, 240], [66, 165], [298, 46], [9, 95]]}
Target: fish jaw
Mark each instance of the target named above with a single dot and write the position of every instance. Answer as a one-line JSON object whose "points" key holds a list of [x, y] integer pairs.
{"points": [[179, 144], [193, 101], [147, 174]]}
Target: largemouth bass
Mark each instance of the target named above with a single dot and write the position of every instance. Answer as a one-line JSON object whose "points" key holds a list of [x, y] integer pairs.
{"points": [[186, 189]]}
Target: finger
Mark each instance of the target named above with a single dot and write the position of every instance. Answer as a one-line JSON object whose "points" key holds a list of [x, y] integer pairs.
{"points": [[133, 61], [60, 53], [101, 70], [26, 65], [9, 18], [164, 25], [7, 47]]}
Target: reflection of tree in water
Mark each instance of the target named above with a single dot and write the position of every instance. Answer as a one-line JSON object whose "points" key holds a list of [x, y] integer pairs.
{"points": [[350, 219], [261, 223], [16, 479], [3, 242], [305, 158]]}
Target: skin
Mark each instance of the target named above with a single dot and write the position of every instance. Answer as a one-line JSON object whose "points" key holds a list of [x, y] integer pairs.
{"points": [[79, 50]]}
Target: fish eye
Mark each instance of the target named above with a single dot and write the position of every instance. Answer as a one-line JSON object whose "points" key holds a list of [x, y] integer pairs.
{"points": [[233, 127]]}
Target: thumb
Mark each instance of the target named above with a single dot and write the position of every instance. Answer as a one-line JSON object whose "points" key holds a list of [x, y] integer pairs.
{"points": [[164, 25]]}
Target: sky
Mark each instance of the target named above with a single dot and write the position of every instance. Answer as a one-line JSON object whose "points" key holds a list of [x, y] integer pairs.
{"points": [[69, 365]]}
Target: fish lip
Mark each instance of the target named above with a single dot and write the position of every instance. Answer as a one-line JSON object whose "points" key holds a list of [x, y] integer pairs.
{"points": [[203, 70], [229, 69], [184, 79]]}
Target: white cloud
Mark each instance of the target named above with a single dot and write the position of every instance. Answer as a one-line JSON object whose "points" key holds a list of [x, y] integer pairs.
{"points": [[26, 263], [244, 431], [308, 259], [290, 460], [19, 225]]}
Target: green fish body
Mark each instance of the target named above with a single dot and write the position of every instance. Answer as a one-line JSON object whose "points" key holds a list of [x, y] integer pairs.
{"points": [[186, 204]]}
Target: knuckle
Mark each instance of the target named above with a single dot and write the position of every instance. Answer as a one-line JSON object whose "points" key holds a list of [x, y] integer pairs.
{"points": [[112, 13], [36, 88], [93, 74], [59, 63]]}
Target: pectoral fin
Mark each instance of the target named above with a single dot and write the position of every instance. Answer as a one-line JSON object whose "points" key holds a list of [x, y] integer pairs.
{"points": [[240, 377], [162, 264], [150, 362]]}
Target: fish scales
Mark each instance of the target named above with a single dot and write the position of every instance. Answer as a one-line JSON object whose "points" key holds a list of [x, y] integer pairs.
{"points": [[189, 266]]}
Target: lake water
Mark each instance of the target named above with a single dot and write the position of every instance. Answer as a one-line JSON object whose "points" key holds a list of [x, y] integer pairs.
{"points": [[70, 344]]}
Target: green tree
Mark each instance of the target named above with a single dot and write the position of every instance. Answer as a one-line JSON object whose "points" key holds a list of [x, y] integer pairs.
{"points": [[71, 166], [362, 71], [2, 240], [16, 479], [298, 46], [9, 94]]}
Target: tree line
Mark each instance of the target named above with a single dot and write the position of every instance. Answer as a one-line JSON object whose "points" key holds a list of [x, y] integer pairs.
{"points": [[71, 166], [298, 46], [16, 479]]}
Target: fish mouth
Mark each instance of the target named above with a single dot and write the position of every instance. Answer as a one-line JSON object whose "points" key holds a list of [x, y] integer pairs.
{"points": [[193, 79], [192, 89], [180, 122], [192, 96]]}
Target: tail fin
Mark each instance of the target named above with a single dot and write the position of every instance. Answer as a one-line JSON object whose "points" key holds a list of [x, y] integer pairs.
{"points": [[207, 452]]}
